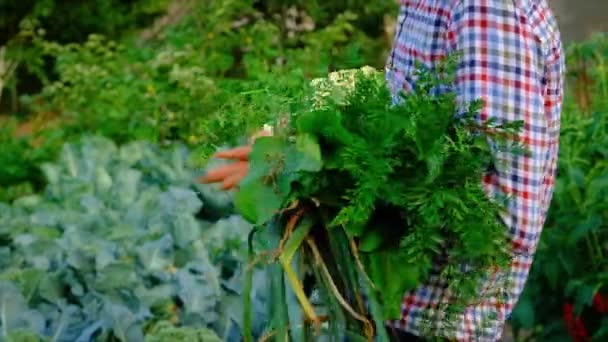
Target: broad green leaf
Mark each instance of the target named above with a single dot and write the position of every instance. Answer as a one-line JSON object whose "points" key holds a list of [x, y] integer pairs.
{"points": [[179, 200], [199, 291], [156, 296], [116, 276], [123, 323], [40, 253], [14, 313], [103, 180], [156, 255], [404, 277], [51, 172], [68, 324], [28, 280], [305, 156], [185, 229], [267, 157], [231, 231], [256, 201], [132, 152], [51, 288], [48, 217], [126, 183], [392, 275]]}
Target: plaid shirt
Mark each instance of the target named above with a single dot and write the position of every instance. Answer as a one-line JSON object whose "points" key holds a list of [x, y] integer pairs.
{"points": [[512, 60]]}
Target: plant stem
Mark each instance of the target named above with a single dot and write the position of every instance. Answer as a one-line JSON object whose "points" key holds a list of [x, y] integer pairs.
{"points": [[339, 244], [288, 246], [280, 316], [247, 288], [332, 285], [291, 246], [376, 309], [247, 324], [355, 252], [298, 290]]}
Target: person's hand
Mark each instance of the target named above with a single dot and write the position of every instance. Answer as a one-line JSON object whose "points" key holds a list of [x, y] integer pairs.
{"points": [[232, 174]]}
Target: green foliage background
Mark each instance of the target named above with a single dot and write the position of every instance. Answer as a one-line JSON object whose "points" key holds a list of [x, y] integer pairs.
{"points": [[203, 80]]}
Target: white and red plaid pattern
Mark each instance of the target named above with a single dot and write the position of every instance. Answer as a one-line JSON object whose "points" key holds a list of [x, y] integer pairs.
{"points": [[512, 59]]}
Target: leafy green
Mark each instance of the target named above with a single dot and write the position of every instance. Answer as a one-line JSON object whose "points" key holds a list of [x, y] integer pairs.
{"points": [[402, 179], [113, 246]]}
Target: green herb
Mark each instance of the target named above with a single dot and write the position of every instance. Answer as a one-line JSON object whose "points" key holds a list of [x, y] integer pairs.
{"points": [[402, 181]]}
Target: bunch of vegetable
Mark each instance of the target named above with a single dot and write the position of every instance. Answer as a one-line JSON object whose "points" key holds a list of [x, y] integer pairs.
{"points": [[357, 196]]}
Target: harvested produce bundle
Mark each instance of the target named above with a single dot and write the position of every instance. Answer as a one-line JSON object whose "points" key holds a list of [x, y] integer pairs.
{"points": [[369, 193]]}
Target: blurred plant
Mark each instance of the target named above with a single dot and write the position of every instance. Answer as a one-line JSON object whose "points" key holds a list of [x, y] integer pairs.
{"points": [[7, 69], [64, 21], [20, 157], [203, 79], [182, 87], [112, 250]]}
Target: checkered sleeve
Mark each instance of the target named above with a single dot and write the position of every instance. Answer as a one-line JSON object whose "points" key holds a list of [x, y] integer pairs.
{"points": [[554, 93], [504, 65]]}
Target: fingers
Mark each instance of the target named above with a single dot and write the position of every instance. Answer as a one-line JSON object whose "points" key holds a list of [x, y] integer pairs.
{"points": [[234, 179], [242, 153], [221, 173], [230, 175], [239, 153]]}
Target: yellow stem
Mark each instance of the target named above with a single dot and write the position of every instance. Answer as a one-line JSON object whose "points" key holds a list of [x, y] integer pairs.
{"points": [[298, 289], [355, 251], [332, 285], [291, 224]]}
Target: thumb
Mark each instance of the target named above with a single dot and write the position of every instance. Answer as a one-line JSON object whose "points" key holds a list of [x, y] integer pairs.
{"points": [[240, 153]]}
